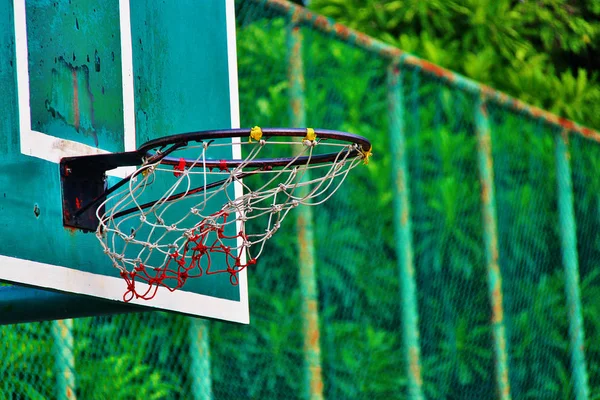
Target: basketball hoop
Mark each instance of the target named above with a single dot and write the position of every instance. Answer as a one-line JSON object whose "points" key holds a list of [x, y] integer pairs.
{"points": [[180, 232]]}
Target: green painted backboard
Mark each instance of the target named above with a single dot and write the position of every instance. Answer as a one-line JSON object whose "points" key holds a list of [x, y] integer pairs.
{"points": [[83, 77]]}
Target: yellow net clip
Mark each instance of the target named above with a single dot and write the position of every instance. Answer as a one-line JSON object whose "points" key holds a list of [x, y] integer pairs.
{"points": [[255, 133], [310, 135], [366, 155]]}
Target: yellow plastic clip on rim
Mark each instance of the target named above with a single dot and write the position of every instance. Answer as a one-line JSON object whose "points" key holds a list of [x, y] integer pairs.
{"points": [[366, 155], [255, 133], [310, 135]]}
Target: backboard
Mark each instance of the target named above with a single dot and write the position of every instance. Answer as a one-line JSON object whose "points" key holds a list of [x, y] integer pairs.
{"points": [[84, 77]]}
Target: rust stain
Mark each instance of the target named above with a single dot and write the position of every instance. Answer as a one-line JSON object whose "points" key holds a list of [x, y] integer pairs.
{"points": [[64, 329], [536, 112], [415, 367], [501, 345], [404, 217], [495, 253], [314, 336], [390, 52], [400, 179], [437, 70], [483, 109], [505, 385], [301, 226], [72, 99], [296, 15], [587, 132], [312, 339], [490, 222], [366, 41], [498, 314], [76, 122], [316, 383], [487, 92], [501, 369], [322, 23], [565, 138], [296, 105], [342, 31], [485, 194], [565, 123], [516, 104]]}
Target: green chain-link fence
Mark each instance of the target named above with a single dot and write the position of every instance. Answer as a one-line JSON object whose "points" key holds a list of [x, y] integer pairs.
{"points": [[461, 263]]}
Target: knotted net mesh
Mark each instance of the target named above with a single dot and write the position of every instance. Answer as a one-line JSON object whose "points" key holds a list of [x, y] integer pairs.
{"points": [[185, 233]]}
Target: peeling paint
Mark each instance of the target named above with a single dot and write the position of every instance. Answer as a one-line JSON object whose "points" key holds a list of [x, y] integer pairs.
{"points": [[490, 233], [62, 334], [415, 365], [71, 99]]}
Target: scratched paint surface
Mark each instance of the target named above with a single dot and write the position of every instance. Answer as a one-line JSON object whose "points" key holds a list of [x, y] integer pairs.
{"points": [[75, 71]]}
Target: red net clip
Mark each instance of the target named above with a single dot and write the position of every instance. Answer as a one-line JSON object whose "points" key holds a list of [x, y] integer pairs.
{"points": [[223, 166], [179, 168]]}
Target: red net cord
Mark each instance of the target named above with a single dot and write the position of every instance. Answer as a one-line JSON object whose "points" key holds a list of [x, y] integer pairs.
{"points": [[193, 260]]}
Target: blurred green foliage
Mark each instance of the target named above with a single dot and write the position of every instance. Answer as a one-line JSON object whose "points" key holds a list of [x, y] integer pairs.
{"points": [[543, 52]]}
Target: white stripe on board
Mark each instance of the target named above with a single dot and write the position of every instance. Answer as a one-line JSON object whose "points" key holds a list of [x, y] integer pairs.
{"points": [[127, 78], [22, 60], [234, 104], [112, 288]]}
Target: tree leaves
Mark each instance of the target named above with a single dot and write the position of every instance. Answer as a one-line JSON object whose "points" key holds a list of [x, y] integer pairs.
{"points": [[540, 45]]}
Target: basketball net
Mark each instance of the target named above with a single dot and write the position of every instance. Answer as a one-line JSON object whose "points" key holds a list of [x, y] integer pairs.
{"points": [[187, 232]]}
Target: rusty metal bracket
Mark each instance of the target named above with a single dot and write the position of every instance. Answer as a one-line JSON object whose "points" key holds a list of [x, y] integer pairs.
{"points": [[81, 187]]}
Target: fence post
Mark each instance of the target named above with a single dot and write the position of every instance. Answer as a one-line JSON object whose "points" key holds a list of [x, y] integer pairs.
{"points": [[64, 360], [568, 228], [305, 228], [490, 234], [198, 337], [402, 225]]}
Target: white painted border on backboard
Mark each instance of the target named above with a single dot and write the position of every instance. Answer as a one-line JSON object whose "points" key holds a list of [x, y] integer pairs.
{"points": [[50, 148], [127, 76], [41, 145], [112, 288], [234, 105]]}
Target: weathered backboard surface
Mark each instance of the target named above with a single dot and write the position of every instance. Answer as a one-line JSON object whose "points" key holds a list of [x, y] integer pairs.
{"points": [[87, 76]]}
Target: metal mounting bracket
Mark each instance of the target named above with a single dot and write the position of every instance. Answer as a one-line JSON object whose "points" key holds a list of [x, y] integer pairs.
{"points": [[81, 186]]}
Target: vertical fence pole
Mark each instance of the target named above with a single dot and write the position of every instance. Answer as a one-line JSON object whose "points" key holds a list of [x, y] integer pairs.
{"points": [[402, 225], [567, 225], [305, 229], [198, 337], [64, 360], [490, 234]]}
